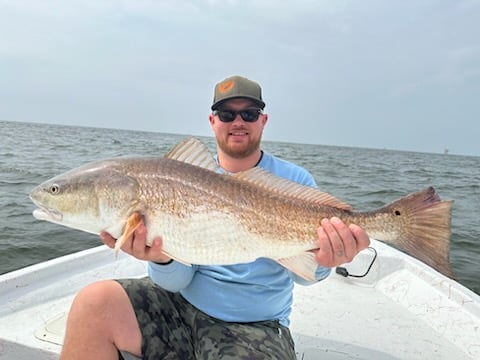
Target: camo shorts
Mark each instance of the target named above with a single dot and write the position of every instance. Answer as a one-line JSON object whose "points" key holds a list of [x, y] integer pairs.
{"points": [[174, 329]]}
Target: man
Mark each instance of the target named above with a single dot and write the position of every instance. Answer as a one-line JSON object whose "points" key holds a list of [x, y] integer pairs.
{"points": [[206, 312]]}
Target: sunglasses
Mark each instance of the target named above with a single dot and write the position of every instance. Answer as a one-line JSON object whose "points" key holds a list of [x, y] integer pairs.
{"points": [[248, 115]]}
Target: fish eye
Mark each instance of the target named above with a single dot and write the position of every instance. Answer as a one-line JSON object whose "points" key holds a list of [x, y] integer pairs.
{"points": [[54, 189]]}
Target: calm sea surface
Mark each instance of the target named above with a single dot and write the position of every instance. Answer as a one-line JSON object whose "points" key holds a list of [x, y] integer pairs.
{"points": [[365, 178]]}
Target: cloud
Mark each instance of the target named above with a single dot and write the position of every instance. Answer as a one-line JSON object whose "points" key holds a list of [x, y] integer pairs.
{"points": [[344, 68]]}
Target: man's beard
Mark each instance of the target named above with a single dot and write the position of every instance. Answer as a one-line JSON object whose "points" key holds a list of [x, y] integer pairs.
{"points": [[236, 152]]}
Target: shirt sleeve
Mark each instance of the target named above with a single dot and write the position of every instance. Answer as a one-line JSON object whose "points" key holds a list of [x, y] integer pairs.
{"points": [[172, 277]]}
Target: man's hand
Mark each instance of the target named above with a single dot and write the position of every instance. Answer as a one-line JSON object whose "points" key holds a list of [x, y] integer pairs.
{"points": [[136, 245], [338, 243]]}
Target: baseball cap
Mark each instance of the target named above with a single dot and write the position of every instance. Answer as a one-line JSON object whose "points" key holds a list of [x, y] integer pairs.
{"points": [[237, 87]]}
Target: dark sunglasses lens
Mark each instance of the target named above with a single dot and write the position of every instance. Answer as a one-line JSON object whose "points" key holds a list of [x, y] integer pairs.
{"points": [[226, 115], [250, 115]]}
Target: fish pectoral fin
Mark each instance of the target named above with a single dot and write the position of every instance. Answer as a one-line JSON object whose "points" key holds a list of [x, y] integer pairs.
{"points": [[303, 265], [133, 222]]}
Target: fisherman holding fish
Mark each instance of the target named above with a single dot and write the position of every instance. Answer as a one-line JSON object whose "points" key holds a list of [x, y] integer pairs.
{"points": [[183, 311]]}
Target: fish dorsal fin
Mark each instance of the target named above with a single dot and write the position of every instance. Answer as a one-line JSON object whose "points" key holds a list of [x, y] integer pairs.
{"points": [[192, 151], [268, 181]]}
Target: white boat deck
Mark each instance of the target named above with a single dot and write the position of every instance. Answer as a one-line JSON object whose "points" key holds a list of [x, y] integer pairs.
{"points": [[401, 310]]}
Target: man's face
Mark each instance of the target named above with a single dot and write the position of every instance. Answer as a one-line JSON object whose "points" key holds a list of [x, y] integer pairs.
{"points": [[238, 138]]}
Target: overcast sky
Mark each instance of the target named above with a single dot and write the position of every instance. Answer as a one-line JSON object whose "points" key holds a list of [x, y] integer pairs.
{"points": [[396, 74]]}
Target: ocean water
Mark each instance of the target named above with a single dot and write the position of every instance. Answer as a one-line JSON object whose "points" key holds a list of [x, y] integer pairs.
{"points": [[365, 178]]}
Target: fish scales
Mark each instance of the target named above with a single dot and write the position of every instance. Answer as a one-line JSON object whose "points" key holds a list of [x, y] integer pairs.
{"points": [[205, 217], [232, 211]]}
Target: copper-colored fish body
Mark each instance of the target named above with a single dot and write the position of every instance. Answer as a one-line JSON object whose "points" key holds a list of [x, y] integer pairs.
{"points": [[205, 217]]}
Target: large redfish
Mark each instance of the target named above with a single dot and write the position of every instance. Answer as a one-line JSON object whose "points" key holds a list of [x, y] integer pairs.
{"points": [[205, 217]]}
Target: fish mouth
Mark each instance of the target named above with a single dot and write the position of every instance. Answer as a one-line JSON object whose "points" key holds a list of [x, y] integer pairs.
{"points": [[45, 213]]}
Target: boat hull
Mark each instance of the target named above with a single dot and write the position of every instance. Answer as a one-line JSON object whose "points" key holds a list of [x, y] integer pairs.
{"points": [[402, 309]]}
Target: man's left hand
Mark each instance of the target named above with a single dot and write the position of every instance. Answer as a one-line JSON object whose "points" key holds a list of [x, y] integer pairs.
{"points": [[339, 243]]}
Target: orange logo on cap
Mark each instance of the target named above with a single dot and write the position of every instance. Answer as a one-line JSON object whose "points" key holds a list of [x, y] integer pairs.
{"points": [[226, 86]]}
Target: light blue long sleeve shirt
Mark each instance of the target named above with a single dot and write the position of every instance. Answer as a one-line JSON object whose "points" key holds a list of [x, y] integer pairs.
{"points": [[256, 291]]}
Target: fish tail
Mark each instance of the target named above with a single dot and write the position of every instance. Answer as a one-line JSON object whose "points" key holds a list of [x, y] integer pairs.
{"points": [[426, 235]]}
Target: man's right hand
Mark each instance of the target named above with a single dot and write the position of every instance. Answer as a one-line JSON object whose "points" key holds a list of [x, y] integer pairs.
{"points": [[136, 245]]}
